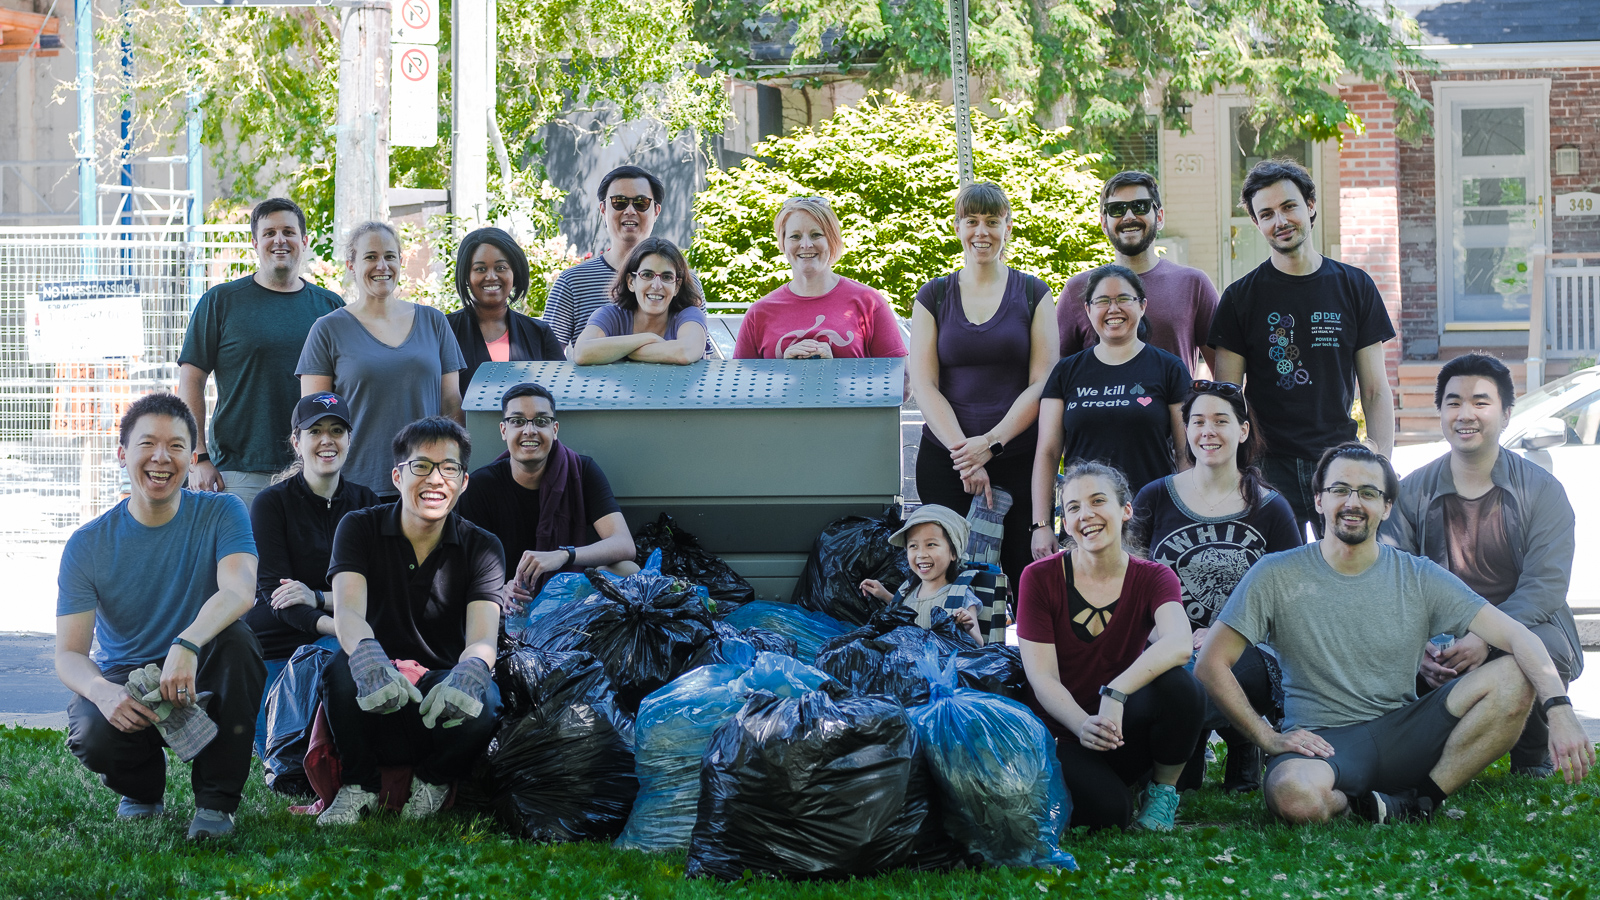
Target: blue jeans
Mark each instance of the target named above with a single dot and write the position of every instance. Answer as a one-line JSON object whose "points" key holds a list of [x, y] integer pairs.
{"points": [[275, 667]]}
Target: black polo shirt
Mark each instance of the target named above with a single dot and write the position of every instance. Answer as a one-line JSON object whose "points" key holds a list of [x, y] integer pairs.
{"points": [[419, 610]]}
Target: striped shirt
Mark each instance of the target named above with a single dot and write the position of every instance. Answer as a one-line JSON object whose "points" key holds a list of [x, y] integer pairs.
{"points": [[575, 295]]}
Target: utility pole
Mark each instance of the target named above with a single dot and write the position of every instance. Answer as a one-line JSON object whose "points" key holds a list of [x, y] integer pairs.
{"points": [[472, 101], [361, 171], [958, 82]]}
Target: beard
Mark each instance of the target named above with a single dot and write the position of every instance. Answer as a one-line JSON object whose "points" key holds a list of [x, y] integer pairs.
{"points": [[1353, 538], [1132, 245]]}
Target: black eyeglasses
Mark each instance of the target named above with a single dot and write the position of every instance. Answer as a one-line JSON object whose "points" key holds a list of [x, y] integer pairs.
{"points": [[1366, 492], [516, 423], [640, 203], [1220, 388], [422, 468], [1120, 208]]}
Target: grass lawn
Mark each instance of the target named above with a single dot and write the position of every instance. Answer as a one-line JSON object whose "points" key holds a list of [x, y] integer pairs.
{"points": [[1504, 837]]}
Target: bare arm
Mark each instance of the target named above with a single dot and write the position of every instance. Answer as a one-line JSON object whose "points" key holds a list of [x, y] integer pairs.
{"points": [[483, 626], [315, 384], [1377, 399], [1173, 645], [203, 476], [236, 593], [1570, 748], [595, 349], [614, 546], [1222, 648], [1044, 676], [922, 368], [1046, 463], [1180, 439], [350, 610], [689, 346], [77, 671], [450, 397], [1229, 366]]}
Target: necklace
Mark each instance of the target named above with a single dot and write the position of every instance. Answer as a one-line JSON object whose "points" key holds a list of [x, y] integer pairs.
{"points": [[1204, 504]]}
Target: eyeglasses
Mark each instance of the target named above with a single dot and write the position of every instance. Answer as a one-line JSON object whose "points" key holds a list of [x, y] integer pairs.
{"points": [[666, 278], [1220, 388], [1367, 492], [639, 203], [813, 199], [422, 468], [517, 423], [1120, 208], [1119, 300]]}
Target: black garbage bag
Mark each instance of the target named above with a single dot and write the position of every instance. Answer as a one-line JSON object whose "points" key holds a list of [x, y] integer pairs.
{"points": [[883, 656], [682, 555], [846, 552], [647, 629], [994, 669], [814, 786], [560, 767], [291, 708]]}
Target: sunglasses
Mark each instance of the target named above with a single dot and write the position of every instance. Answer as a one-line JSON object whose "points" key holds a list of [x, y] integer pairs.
{"points": [[1120, 208], [1220, 388], [639, 203]]}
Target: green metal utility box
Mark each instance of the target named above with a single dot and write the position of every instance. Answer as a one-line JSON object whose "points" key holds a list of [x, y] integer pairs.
{"points": [[755, 457]]}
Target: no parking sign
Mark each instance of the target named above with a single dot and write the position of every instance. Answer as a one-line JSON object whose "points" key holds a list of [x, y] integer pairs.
{"points": [[414, 96], [415, 22]]}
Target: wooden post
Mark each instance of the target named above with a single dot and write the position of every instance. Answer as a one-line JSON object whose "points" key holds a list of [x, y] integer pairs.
{"points": [[361, 172]]}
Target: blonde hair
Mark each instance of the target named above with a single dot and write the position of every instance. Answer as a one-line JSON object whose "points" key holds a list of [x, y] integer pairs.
{"points": [[364, 229], [817, 208]]}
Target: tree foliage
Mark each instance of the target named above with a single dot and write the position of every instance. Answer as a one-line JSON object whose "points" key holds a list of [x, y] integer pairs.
{"points": [[1100, 64], [888, 167]]}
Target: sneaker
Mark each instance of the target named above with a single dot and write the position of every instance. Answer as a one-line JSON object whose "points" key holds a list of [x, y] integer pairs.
{"points": [[1539, 771], [425, 800], [348, 805], [130, 809], [1385, 809], [210, 823], [1159, 812]]}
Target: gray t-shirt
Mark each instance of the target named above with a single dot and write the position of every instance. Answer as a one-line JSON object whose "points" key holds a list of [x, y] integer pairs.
{"points": [[387, 387], [1349, 644]]}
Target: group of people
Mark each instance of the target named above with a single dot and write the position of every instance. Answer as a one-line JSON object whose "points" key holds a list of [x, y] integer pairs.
{"points": [[1378, 668]]}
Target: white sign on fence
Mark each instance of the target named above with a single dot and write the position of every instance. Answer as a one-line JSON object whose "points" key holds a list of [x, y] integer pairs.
{"points": [[1579, 203], [85, 321], [415, 22], [414, 96]]}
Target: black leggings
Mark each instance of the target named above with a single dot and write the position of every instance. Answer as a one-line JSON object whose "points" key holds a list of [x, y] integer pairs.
{"points": [[1160, 725], [938, 482]]}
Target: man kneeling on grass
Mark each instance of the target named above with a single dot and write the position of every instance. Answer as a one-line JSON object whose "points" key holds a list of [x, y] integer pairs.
{"points": [[414, 582], [1349, 617], [160, 580]]}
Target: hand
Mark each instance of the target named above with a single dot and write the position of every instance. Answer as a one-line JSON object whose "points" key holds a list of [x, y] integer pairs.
{"points": [[809, 349], [1570, 749], [1100, 733], [1468, 653], [871, 587], [536, 564], [514, 598], [203, 476], [291, 593], [459, 696], [972, 453], [1199, 638], [380, 688], [968, 621], [1299, 741], [120, 709], [977, 482], [1043, 543], [1432, 672], [177, 676]]}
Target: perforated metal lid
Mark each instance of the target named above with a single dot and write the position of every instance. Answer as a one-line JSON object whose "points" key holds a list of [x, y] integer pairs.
{"points": [[713, 384]]}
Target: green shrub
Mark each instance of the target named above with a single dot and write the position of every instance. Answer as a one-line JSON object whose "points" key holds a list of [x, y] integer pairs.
{"points": [[888, 166]]}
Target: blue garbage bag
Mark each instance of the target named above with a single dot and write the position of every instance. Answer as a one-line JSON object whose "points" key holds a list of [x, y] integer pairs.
{"points": [[996, 768], [674, 726], [809, 630], [291, 708]]}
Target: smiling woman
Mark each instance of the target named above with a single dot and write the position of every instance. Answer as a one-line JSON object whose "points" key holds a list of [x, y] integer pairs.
{"points": [[655, 314], [491, 278]]}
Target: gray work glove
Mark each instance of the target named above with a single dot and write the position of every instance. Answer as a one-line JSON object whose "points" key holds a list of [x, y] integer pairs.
{"points": [[380, 688], [459, 696], [186, 729]]}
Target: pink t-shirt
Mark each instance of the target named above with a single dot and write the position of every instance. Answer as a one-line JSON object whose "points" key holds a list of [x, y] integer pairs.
{"points": [[852, 317], [1180, 302], [500, 348]]}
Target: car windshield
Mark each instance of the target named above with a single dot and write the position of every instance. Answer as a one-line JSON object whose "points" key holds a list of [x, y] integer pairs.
{"points": [[1545, 402]]}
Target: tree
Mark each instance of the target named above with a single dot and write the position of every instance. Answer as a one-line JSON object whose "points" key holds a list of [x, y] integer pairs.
{"points": [[888, 167], [1100, 64]]}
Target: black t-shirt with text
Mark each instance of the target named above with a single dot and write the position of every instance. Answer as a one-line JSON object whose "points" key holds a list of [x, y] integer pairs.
{"points": [[495, 502], [1120, 414], [1299, 335]]}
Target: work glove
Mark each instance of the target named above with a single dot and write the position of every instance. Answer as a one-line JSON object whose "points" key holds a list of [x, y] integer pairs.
{"points": [[186, 729], [380, 688], [459, 696], [987, 527]]}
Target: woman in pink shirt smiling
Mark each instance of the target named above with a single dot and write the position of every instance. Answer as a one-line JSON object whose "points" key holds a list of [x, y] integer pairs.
{"points": [[819, 314]]}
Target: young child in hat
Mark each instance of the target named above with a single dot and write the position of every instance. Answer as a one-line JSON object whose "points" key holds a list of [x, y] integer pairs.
{"points": [[934, 538]]}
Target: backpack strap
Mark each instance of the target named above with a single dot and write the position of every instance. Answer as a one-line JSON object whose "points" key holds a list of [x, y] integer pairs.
{"points": [[945, 285]]}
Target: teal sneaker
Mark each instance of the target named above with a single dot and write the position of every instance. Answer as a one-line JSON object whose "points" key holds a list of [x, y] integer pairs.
{"points": [[1159, 811]]}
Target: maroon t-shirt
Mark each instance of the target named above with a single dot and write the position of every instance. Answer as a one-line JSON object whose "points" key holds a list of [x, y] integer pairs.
{"points": [[1042, 617]]}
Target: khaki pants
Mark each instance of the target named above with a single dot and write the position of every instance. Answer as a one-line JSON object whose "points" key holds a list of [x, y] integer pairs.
{"points": [[245, 485]]}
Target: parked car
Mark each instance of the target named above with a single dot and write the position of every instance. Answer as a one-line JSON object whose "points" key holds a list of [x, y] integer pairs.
{"points": [[1558, 428]]}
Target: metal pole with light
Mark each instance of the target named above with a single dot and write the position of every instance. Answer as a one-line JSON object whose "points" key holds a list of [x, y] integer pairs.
{"points": [[958, 81]]}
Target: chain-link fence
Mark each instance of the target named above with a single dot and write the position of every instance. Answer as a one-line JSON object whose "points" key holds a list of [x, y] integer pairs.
{"points": [[59, 411]]}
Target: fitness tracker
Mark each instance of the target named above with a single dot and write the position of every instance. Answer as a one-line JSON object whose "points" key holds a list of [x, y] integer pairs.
{"points": [[1554, 702], [190, 646], [1107, 690], [202, 457], [572, 555]]}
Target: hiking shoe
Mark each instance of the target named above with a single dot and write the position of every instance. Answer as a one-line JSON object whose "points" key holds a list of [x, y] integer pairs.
{"points": [[210, 823], [1385, 809], [1242, 773], [348, 805], [426, 799], [1160, 808], [130, 809]]}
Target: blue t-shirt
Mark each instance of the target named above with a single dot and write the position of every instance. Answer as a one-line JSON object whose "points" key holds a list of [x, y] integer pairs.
{"points": [[615, 321], [144, 584]]}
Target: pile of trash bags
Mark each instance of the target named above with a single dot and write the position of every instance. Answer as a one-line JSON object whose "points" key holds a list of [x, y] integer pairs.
{"points": [[848, 551], [810, 631], [682, 556]]}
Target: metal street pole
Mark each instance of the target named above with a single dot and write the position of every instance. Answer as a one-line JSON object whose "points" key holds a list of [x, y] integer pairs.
{"points": [[88, 193], [472, 101], [361, 172], [958, 81]]}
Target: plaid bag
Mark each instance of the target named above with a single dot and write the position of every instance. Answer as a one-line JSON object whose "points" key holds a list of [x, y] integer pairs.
{"points": [[993, 590]]}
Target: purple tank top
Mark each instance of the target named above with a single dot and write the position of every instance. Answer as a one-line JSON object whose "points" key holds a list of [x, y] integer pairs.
{"points": [[982, 368]]}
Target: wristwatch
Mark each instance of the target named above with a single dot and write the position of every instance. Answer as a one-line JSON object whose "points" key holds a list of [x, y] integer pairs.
{"points": [[1554, 702], [1107, 690], [996, 448], [1035, 526], [202, 457], [572, 555]]}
